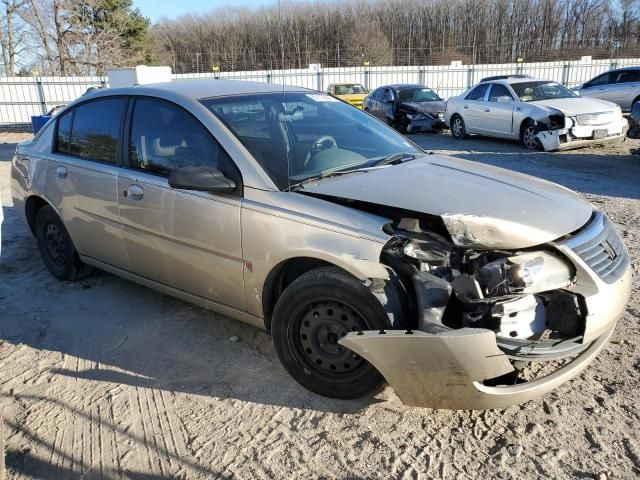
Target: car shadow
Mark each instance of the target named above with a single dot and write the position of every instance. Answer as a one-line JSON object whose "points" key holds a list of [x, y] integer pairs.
{"points": [[114, 331], [614, 172]]}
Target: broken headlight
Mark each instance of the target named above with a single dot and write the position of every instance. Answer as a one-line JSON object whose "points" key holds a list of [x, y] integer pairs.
{"points": [[529, 272]]}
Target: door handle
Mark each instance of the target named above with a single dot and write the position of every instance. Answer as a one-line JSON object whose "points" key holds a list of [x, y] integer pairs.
{"points": [[61, 172], [135, 192], [466, 107]]}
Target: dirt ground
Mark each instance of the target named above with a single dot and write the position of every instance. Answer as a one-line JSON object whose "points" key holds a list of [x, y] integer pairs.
{"points": [[107, 379]]}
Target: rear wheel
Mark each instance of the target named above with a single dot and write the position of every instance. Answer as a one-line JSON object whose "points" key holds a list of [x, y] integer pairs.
{"points": [[312, 314], [57, 249], [458, 129]]}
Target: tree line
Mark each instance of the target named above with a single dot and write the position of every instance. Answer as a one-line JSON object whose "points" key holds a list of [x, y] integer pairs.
{"points": [[87, 36]]}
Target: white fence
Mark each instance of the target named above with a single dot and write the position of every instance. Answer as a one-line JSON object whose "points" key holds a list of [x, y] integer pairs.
{"points": [[21, 97]]}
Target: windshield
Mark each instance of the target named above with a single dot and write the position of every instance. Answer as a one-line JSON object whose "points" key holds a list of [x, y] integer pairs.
{"points": [[534, 91], [418, 95], [296, 136], [350, 89]]}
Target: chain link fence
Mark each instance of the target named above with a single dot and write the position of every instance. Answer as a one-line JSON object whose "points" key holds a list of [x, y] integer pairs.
{"points": [[22, 97]]}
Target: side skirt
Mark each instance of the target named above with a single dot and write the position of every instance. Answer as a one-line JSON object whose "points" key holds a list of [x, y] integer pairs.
{"points": [[220, 308]]}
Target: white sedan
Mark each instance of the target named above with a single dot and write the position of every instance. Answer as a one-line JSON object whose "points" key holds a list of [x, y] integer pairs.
{"points": [[540, 113]]}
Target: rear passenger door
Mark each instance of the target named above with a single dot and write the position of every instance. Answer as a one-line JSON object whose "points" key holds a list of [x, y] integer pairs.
{"points": [[82, 175], [188, 240]]}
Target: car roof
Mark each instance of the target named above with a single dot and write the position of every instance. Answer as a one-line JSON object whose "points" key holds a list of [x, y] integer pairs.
{"points": [[403, 85], [511, 81], [196, 89], [347, 83]]}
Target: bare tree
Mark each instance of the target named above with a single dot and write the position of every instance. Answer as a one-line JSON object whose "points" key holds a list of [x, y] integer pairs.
{"points": [[12, 35]]}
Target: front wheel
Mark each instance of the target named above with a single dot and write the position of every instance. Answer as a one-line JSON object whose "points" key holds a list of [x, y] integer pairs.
{"points": [[458, 129], [529, 136], [312, 314]]}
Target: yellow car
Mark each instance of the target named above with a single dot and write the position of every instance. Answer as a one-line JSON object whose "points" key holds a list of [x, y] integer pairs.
{"points": [[352, 93]]}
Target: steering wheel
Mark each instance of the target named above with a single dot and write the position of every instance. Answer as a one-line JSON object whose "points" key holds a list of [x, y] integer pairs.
{"points": [[325, 142]]}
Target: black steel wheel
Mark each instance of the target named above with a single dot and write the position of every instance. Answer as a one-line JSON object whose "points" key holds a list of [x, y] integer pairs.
{"points": [[311, 315], [57, 249]]}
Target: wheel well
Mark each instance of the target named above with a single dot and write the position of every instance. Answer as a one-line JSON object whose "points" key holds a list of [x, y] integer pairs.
{"points": [[281, 277], [31, 208], [525, 123], [634, 101]]}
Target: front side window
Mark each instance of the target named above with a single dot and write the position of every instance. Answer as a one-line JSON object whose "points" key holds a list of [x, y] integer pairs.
{"points": [[418, 95], [478, 92], [64, 133], [94, 134], [297, 135], [165, 137], [498, 90], [535, 91], [628, 76], [605, 79]]}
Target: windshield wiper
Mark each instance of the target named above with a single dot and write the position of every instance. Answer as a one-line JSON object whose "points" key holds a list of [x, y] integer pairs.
{"points": [[396, 158], [322, 176]]}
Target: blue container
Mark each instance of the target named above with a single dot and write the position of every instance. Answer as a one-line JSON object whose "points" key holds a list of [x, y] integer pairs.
{"points": [[38, 121]]}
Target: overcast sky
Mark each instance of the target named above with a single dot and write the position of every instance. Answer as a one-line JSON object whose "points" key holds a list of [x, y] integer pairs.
{"points": [[154, 9]]}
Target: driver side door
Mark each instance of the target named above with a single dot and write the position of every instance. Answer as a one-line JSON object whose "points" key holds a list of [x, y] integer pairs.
{"points": [[188, 240]]}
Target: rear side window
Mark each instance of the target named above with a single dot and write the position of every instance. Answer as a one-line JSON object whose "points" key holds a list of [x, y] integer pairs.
{"points": [[96, 124], [165, 137], [478, 92], [64, 132]]}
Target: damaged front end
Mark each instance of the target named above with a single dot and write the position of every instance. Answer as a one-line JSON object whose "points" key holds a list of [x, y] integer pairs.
{"points": [[562, 132], [476, 318]]}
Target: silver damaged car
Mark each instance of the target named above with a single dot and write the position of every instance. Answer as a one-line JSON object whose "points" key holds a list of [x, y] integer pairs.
{"points": [[366, 258]]}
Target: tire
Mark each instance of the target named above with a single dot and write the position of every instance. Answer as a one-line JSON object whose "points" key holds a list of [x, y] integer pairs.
{"points": [[313, 312], [458, 129], [57, 249], [399, 126], [528, 137]]}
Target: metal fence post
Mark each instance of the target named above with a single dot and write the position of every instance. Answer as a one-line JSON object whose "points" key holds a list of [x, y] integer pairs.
{"points": [[470, 77], [565, 74], [268, 77], [421, 76], [41, 99], [319, 80], [366, 78]]}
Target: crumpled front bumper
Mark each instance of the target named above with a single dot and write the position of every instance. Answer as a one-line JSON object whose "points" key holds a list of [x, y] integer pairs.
{"points": [[426, 125], [449, 370], [581, 136]]}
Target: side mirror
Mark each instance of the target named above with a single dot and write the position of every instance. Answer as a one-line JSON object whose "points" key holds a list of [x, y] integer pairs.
{"points": [[203, 179], [504, 99]]}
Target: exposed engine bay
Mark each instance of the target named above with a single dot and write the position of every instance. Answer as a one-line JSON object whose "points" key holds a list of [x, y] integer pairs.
{"points": [[516, 294]]}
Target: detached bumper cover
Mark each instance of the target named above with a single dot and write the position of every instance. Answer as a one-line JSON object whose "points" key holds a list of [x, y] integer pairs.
{"points": [[448, 370]]}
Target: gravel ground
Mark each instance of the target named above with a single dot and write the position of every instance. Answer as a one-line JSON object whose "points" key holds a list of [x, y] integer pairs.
{"points": [[107, 379]]}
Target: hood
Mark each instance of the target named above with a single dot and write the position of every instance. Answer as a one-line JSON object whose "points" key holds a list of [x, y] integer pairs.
{"points": [[574, 106], [481, 206], [352, 97], [437, 106]]}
